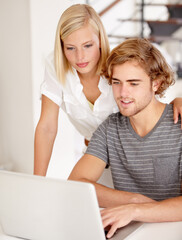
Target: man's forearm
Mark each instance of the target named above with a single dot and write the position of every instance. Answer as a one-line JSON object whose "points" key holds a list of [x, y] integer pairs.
{"points": [[108, 197], [89, 169], [164, 211]]}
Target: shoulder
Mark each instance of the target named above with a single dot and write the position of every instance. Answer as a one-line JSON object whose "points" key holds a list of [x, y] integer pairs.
{"points": [[50, 73], [49, 62], [168, 113], [116, 117], [113, 119], [167, 118], [71, 76]]}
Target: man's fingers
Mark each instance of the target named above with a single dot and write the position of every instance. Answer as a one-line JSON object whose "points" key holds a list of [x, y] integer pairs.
{"points": [[112, 230]]}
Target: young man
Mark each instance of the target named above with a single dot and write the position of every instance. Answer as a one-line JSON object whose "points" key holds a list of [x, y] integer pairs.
{"points": [[141, 143]]}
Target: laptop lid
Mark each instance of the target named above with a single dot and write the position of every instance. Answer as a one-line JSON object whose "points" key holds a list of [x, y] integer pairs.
{"points": [[38, 208]]}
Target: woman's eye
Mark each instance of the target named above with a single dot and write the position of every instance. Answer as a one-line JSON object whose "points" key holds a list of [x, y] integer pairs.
{"points": [[88, 45], [69, 48]]}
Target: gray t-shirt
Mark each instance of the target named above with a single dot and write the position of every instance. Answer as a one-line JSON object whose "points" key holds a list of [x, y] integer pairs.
{"points": [[150, 165]]}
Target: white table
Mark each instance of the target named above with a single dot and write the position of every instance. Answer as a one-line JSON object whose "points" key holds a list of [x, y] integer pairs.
{"points": [[148, 231], [158, 231]]}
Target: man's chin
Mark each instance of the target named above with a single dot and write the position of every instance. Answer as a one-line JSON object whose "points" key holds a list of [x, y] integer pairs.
{"points": [[126, 112]]}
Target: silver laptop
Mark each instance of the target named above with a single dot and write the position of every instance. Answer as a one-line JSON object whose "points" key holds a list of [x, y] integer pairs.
{"points": [[38, 208]]}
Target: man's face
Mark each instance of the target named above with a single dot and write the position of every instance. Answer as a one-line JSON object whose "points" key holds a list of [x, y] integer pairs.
{"points": [[132, 88]]}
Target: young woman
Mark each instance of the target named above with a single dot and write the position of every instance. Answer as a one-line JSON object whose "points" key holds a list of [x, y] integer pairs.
{"points": [[73, 82]]}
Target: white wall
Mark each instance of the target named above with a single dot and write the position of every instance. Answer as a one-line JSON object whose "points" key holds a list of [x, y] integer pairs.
{"points": [[16, 123]]}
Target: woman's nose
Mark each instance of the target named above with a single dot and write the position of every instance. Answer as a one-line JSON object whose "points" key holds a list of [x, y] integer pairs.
{"points": [[80, 55]]}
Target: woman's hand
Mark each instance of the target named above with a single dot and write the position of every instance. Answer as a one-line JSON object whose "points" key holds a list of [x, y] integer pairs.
{"points": [[177, 107]]}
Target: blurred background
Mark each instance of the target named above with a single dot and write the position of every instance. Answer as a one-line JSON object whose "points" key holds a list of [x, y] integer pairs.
{"points": [[27, 30]]}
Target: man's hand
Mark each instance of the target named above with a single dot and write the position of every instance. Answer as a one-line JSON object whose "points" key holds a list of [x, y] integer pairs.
{"points": [[117, 217], [168, 210]]}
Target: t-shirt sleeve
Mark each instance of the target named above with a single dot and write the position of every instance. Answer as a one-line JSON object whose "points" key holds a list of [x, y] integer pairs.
{"points": [[98, 143], [51, 87]]}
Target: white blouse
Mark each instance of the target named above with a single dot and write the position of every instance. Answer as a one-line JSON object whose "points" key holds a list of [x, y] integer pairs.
{"points": [[72, 100]]}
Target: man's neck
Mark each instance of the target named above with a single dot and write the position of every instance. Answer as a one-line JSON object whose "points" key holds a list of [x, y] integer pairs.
{"points": [[146, 120]]}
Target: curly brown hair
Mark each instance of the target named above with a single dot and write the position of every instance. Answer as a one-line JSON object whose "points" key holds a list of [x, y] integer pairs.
{"points": [[147, 56]]}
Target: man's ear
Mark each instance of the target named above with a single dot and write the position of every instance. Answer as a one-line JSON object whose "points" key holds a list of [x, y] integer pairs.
{"points": [[156, 84]]}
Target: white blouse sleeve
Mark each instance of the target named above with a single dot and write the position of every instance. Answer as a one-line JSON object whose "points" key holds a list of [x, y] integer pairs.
{"points": [[50, 87]]}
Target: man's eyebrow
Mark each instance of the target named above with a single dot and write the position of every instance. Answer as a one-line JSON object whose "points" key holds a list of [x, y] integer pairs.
{"points": [[128, 80], [134, 80]]}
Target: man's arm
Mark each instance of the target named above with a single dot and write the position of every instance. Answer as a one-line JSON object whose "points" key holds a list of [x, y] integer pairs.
{"points": [[89, 169], [165, 211]]}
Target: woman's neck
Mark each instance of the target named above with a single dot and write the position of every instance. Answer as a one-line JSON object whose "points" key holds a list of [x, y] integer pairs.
{"points": [[90, 76], [90, 86]]}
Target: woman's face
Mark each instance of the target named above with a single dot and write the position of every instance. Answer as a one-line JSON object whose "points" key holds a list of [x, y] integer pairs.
{"points": [[82, 50]]}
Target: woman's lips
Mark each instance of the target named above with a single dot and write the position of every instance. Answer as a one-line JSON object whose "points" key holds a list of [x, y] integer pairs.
{"points": [[82, 65]]}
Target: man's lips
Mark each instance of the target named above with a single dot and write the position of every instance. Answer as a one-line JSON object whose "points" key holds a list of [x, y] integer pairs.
{"points": [[126, 102], [82, 65]]}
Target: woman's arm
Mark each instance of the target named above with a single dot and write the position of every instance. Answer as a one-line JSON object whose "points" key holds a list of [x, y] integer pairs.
{"points": [[177, 106], [45, 135]]}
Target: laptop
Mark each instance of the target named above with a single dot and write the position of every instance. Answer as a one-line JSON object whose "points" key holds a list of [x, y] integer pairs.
{"points": [[40, 208]]}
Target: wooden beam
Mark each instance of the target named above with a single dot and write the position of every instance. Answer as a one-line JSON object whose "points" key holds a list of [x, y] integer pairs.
{"points": [[152, 38], [109, 7]]}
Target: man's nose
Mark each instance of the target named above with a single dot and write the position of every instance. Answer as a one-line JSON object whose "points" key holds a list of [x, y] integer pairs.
{"points": [[123, 90]]}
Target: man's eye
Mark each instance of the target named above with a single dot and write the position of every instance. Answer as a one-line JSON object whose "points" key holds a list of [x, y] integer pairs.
{"points": [[134, 84], [115, 82]]}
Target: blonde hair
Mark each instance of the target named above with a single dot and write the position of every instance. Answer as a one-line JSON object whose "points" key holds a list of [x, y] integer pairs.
{"points": [[147, 56], [72, 19]]}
